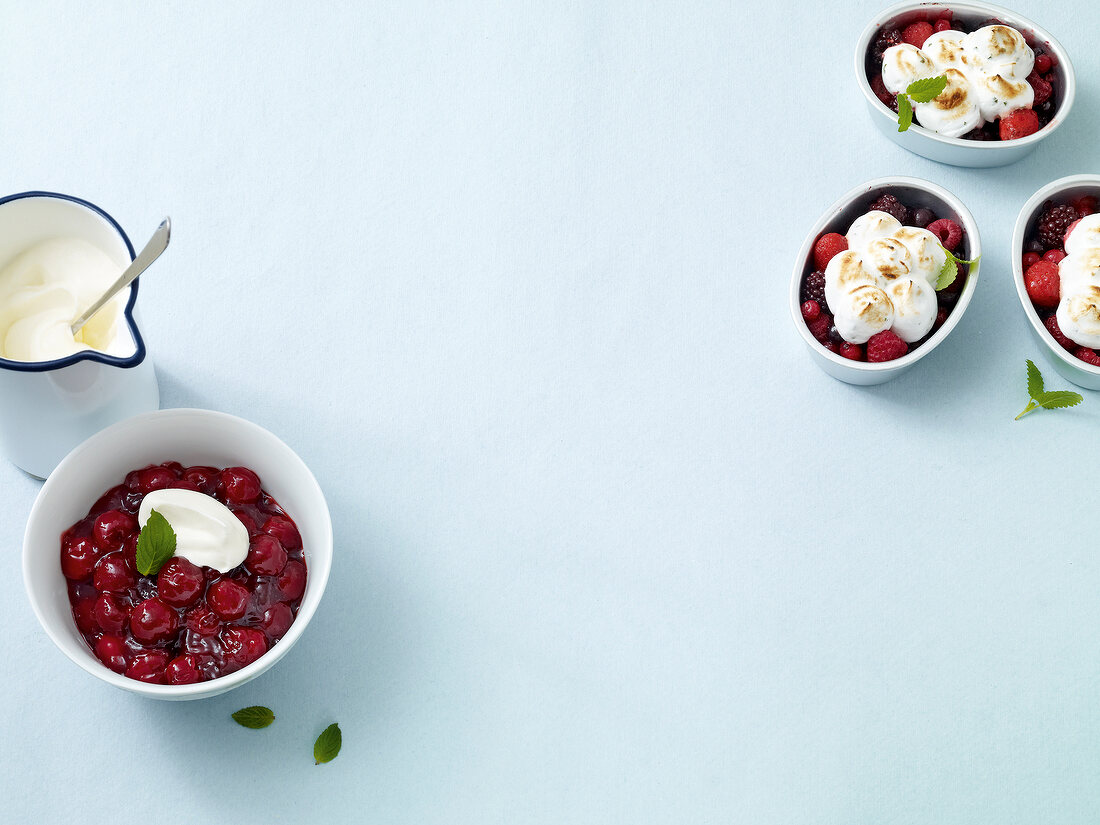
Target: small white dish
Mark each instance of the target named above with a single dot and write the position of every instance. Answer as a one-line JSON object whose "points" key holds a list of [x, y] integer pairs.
{"points": [[196, 437], [915, 193], [956, 151], [48, 407], [1064, 189]]}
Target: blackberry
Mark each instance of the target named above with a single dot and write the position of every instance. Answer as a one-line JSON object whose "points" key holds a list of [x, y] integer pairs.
{"points": [[1053, 223], [923, 216], [886, 39], [892, 206], [813, 289]]}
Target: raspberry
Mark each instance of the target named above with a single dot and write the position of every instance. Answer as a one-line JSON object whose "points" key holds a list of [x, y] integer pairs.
{"points": [[819, 327], [826, 247], [1029, 259], [853, 352], [922, 217], [946, 14], [1056, 333], [810, 310], [813, 289], [1084, 206], [1043, 63], [941, 25], [892, 206], [1042, 89], [1019, 124], [916, 33], [1089, 356], [949, 233], [1054, 255], [1053, 224], [885, 346], [1043, 284]]}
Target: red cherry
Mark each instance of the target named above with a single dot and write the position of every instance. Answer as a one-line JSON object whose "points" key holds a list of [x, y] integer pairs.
{"points": [[266, 557], [205, 478], [111, 650], [111, 613], [284, 530], [202, 620], [242, 486], [78, 558], [1043, 63], [292, 581], [183, 670], [113, 574], [148, 667], [248, 522], [228, 599], [112, 528], [277, 620], [154, 478], [243, 645], [180, 583], [1030, 258], [153, 621], [84, 616], [1054, 255]]}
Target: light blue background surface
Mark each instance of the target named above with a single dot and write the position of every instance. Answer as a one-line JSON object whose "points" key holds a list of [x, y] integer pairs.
{"points": [[512, 279]]}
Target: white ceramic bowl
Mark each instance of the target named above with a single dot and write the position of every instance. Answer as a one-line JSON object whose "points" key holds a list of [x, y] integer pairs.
{"points": [[915, 193], [957, 151], [1068, 188], [197, 437]]}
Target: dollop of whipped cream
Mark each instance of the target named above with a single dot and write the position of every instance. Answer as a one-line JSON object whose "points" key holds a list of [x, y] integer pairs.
{"points": [[1079, 273], [986, 73], [207, 532], [45, 288], [884, 280]]}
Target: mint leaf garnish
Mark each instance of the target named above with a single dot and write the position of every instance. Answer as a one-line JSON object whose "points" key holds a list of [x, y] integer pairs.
{"points": [[1050, 400], [905, 113], [327, 745], [156, 544], [948, 272], [928, 89], [950, 269], [919, 91], [255, 717]]}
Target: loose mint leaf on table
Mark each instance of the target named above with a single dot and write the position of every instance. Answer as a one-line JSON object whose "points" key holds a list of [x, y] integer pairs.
{"points": [[255, 717], [928, 89], [1034, 380], [327, 745], [1047, 400], [156, 544], [905, 113]]}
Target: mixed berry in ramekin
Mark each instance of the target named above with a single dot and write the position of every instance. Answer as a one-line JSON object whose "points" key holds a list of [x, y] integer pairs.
{"points": [[228, 588], [1061, 272], [879, 286], [1001, 81]]}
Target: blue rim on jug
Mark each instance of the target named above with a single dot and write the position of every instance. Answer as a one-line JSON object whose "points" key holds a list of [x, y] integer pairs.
{"points": [[86, 355]]}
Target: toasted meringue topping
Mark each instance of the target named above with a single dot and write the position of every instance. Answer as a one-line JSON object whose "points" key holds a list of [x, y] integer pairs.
{"points": [[883, 280], [986, 72], [1085, 235], [903, 64], [1079, 276]]}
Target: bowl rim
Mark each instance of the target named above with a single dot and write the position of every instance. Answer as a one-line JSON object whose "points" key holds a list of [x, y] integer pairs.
{"points": [[1030, 207], [128, 313], [223, 683], [1015, 20], [970, 226]]}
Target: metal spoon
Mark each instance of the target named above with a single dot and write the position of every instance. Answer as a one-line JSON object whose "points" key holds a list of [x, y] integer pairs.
{"points": [[157, 244]]}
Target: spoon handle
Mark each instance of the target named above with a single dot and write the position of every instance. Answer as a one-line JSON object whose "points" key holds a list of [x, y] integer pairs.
{"points": [[157, 244]]}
